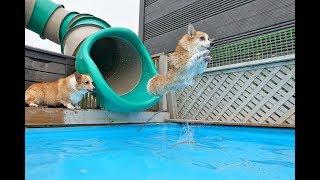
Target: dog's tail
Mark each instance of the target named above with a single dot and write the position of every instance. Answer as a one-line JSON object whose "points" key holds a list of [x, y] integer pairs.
{"points": [[29, 95]]}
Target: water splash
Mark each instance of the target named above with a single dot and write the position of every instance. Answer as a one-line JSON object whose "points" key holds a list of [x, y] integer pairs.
{"points": [[186, 135]]}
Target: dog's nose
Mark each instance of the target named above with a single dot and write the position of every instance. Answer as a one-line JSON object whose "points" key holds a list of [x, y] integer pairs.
{"points": [[91, 90]]}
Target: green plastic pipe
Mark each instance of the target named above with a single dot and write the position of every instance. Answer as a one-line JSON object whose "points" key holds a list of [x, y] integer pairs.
{"points": [[137, 99], [42, 11]]}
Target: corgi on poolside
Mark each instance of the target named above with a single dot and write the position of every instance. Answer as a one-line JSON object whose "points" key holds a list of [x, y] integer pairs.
{"points": [[67, 91], [190, 58]]}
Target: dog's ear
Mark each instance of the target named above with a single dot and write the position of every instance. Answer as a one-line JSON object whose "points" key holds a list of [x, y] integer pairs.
{"points": [[77, 76], [191, 30]]}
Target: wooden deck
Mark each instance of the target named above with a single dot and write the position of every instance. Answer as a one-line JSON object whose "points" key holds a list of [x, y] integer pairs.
{"points": [[67, 117]]}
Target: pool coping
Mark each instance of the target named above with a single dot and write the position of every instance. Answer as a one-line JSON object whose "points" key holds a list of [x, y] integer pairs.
{"points": [[44, 117], [55, 117], [229, 123]]}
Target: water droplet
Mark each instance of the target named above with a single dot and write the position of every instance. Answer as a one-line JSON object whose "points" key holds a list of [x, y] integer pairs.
{"points": [[83, 171]]}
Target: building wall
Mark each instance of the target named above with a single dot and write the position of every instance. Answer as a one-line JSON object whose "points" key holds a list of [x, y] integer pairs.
{"points": [[163, 22]]}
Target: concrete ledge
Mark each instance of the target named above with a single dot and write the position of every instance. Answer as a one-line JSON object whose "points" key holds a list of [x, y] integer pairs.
{"points": [[228, 123], [64, 117]]}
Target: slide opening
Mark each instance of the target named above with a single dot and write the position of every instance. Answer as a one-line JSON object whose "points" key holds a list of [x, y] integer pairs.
{"points": [[118, 62]]}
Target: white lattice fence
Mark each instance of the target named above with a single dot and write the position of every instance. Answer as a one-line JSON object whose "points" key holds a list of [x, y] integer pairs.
{"points": [[261, 92]]}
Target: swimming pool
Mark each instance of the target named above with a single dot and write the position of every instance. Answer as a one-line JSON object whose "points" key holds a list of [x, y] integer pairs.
{"points": [[159, 151]]}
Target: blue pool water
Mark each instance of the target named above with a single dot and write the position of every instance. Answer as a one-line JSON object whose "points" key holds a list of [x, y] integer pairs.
{"points": [[159, 151]]}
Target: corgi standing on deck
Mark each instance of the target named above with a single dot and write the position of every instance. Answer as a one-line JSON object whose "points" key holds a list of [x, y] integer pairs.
{"points": [[66, 91], [190, 58]]}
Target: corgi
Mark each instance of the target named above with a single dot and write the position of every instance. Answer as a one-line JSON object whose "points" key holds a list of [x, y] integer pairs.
{"points": [[67, 91], [190, 58]]}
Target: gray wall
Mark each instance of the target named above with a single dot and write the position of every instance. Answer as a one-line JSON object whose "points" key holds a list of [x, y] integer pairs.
{"points": [[43, 66], [163, 22]]}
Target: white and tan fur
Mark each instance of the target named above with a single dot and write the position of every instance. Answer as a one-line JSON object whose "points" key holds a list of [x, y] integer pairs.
{"points": [[67, 91], [190, 58]]}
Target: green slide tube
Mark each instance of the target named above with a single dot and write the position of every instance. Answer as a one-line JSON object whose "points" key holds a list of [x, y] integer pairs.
{"points": [[42, 11], [129, 48], [65, 23], [90, 20]]}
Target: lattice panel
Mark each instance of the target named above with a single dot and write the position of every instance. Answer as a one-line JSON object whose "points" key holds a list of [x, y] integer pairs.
{"points": [[264, 95]]}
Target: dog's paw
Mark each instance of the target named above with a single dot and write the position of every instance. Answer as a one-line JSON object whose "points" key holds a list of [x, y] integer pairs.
{"points": [[201, 54], [33, 105], [70, 106], [207, 59], [198, 57]]}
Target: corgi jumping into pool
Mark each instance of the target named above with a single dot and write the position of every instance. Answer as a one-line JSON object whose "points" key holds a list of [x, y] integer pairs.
{"points": [[67, 91], [190, 58]]}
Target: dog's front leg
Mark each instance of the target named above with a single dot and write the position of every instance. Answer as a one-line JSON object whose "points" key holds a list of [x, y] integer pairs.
{"points": [[190, 81], [196, 58], [202, 65], [77, 106], [196, 65], [68, 105]]}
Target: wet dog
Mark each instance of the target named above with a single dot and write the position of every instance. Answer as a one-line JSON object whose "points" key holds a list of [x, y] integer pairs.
{"points": [[190, 58]]}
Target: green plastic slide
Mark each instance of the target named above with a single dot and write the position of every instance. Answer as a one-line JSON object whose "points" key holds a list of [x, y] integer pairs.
{"points": [[120, 67]]}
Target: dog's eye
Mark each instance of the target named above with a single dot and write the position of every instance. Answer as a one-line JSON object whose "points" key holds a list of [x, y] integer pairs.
{"points": [[87, 82], [202, 38]]}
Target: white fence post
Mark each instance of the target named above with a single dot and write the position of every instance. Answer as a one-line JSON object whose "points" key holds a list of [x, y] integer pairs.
{"points": [[163, 69]]}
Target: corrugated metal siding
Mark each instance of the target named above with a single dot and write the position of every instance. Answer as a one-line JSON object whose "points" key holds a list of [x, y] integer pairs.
{"points": [[148, 2], [191, 13]]}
